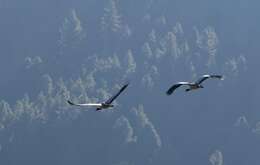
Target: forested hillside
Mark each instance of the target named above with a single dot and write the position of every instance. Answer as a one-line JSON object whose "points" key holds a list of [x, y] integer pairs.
{"points": [[52, 51]]}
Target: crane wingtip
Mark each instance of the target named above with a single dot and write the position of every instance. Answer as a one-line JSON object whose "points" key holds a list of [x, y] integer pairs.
{"points": [[69, 102]]}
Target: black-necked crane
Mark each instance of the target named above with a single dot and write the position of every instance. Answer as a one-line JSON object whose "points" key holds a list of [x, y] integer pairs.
{"points": [[192, 85], [104, 105]]}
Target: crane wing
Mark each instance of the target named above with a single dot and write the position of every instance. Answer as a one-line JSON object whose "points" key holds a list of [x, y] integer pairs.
{"points": [[85, 105], [205, 77], [111, 99], [175, 86]]}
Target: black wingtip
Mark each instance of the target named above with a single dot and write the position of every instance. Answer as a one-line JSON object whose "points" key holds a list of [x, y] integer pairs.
{"points": [[127, 83], [217, 75], [168, 93], [70, 103]]}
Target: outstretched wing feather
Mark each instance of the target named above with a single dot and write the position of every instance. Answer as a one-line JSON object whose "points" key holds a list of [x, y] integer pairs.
{"points": [[111, 99], [175, 86], [83, 105], [205, 77]]}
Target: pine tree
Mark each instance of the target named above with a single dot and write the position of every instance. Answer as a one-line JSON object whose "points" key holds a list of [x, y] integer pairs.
{"points": [[152, 37], [146, 50], [111, 20], [50, 85], [173, 45], [71, 31], [6, 114], [131, 65]]}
